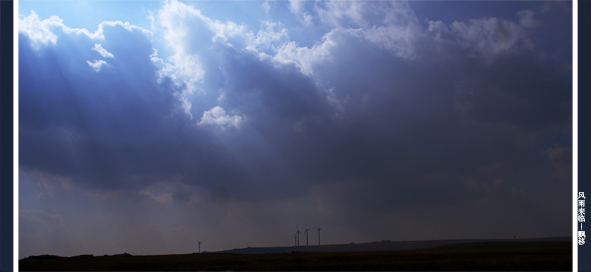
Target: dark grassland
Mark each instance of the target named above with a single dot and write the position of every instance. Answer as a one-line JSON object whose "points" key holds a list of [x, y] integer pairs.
{"points": [[529, 256]]}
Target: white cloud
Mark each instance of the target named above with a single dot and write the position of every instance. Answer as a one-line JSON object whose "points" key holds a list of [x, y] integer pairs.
{"points": [[268, 37], [96, 64], [297, 8], [390, 25], [196, 41], [42, 32], [217, 116], [187, 34], [99, 48], [39, 31], [366, 14], [343, 13], [304, 57], [266, 6], [150, 17], [230, 34], [186, 105], [99, 32]]}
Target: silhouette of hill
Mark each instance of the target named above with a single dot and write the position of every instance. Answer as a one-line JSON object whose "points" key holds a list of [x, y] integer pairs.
{"points": [[542, 254], [381, 246]]}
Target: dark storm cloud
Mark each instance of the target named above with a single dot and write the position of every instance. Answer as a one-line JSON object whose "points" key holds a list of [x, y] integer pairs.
{"points": [[99, 127], [510, 91], [119, 128], [439, 123], [425, 125]]}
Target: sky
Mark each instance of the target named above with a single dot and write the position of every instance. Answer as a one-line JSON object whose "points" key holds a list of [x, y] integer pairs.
{"points": [[147, 126]]}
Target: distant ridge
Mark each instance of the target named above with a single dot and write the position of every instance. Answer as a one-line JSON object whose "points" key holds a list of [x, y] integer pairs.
{"points": [[380, 246]]}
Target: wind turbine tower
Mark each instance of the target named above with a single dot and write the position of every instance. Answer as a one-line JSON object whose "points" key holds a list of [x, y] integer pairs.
{"points": [[199, 246], [306, 232], [296, 237], [319, 236]]}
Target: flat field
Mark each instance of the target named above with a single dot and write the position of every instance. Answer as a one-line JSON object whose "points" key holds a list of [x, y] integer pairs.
{"points": [[495, 256]]}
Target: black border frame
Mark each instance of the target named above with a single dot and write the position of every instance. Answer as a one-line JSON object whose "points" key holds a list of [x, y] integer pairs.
{"points": [[6, 135]]}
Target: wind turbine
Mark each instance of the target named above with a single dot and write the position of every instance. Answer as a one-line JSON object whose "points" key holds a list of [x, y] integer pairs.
{"points": [[199, 246], [306, 232], [319, 235], [296, 236]]}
